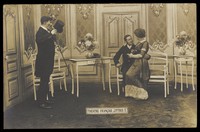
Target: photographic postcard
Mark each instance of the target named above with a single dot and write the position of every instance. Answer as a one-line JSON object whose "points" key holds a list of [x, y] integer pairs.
{"points": [[114, 65]]}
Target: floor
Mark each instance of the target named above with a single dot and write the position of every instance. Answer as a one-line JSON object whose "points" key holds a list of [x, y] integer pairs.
{"points": [[178, 110]]}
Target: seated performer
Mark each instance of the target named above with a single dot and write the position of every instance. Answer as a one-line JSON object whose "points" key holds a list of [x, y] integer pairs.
{"points": [[128, 47], [135, 68]]}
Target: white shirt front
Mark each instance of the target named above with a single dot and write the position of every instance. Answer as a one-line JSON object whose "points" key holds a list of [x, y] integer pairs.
{"points": [[129, 46]]}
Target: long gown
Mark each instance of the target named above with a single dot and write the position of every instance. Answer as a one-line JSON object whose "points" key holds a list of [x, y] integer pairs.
{"points": [[138, 74]]}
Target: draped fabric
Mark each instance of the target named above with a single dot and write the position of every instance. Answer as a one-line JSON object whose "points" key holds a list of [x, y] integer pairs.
{"points": [[136, 92]]}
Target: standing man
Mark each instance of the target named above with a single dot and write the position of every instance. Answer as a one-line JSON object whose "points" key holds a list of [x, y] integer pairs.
{"points": [[45, 59]]}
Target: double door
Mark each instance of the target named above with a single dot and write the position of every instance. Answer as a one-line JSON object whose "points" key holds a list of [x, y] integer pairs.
{"points": [[116, 26]]}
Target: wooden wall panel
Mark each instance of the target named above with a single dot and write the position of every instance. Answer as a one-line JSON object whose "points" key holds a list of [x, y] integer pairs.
{"points": [[13, 90], [28, 79], [11, 57]]}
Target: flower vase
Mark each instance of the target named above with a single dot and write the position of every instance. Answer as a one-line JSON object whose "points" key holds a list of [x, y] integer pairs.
{"points": [[89, 54]]}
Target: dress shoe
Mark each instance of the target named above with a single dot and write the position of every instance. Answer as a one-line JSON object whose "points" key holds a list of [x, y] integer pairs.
{"points": [[45, 106], [49, 101]]}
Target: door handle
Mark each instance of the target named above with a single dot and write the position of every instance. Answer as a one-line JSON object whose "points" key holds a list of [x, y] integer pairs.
{"points": [[6, 57]]}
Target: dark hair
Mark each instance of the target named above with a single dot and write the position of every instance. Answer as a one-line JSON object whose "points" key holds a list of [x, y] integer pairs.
{"points": [[126, 36], [140, 33], [45, 19]]}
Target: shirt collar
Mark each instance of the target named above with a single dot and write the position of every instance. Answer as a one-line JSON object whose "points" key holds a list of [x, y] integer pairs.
{"points": [[45, 28], [129, 46]]}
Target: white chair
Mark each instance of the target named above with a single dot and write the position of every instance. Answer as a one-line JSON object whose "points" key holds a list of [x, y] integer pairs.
{"points": [[159, 70], [119, 79], [36, 80], [180, 60], [57, 74]]}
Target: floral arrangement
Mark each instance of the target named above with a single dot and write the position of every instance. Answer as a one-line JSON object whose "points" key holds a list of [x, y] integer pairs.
{"points": [[183, 42], [86, 44]]}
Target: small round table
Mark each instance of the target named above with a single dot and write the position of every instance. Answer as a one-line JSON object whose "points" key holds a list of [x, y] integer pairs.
{"points": [[180, 59]]}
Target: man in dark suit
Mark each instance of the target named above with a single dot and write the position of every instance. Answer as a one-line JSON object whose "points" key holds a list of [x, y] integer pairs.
{"points": [[44, 59], [127, 48]]}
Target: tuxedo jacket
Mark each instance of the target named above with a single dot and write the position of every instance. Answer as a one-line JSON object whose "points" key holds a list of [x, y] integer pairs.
{"points": [[127, 62], [46, 51]]}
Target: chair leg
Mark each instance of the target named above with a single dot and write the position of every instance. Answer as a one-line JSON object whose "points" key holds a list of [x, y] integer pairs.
{"points": [[109, 76], [167, 78], [165, 89], [65, 85], [34, 90], [60, 85], [193, 75], [103, 76], [118, 91], [167, 86], [72, 85], [186, 75], [181, 77], [175, 83], [72, 77], [51, 87]]}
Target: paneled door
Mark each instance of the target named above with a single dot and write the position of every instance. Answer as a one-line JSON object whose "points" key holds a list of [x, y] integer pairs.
{"points": [[11, 58], [117, 25]]}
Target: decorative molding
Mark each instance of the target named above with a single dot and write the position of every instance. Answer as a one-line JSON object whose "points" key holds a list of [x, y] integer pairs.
{"points": [[29, 51], [28, 25], [12, 66], [156, 8], [53, 10], [28, 79], [58, 11], [119, 5], [85, 10], [28, 10], [13, 87], [9, 12], [10, 25], [158, 45], [185, 8], [109, 21]]}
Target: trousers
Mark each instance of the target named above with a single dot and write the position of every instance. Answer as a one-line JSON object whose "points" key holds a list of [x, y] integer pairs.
{"points": [[43, 91]]}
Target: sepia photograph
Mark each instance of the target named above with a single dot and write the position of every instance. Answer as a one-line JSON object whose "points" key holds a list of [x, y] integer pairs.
{"points": [[105, 65]]}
